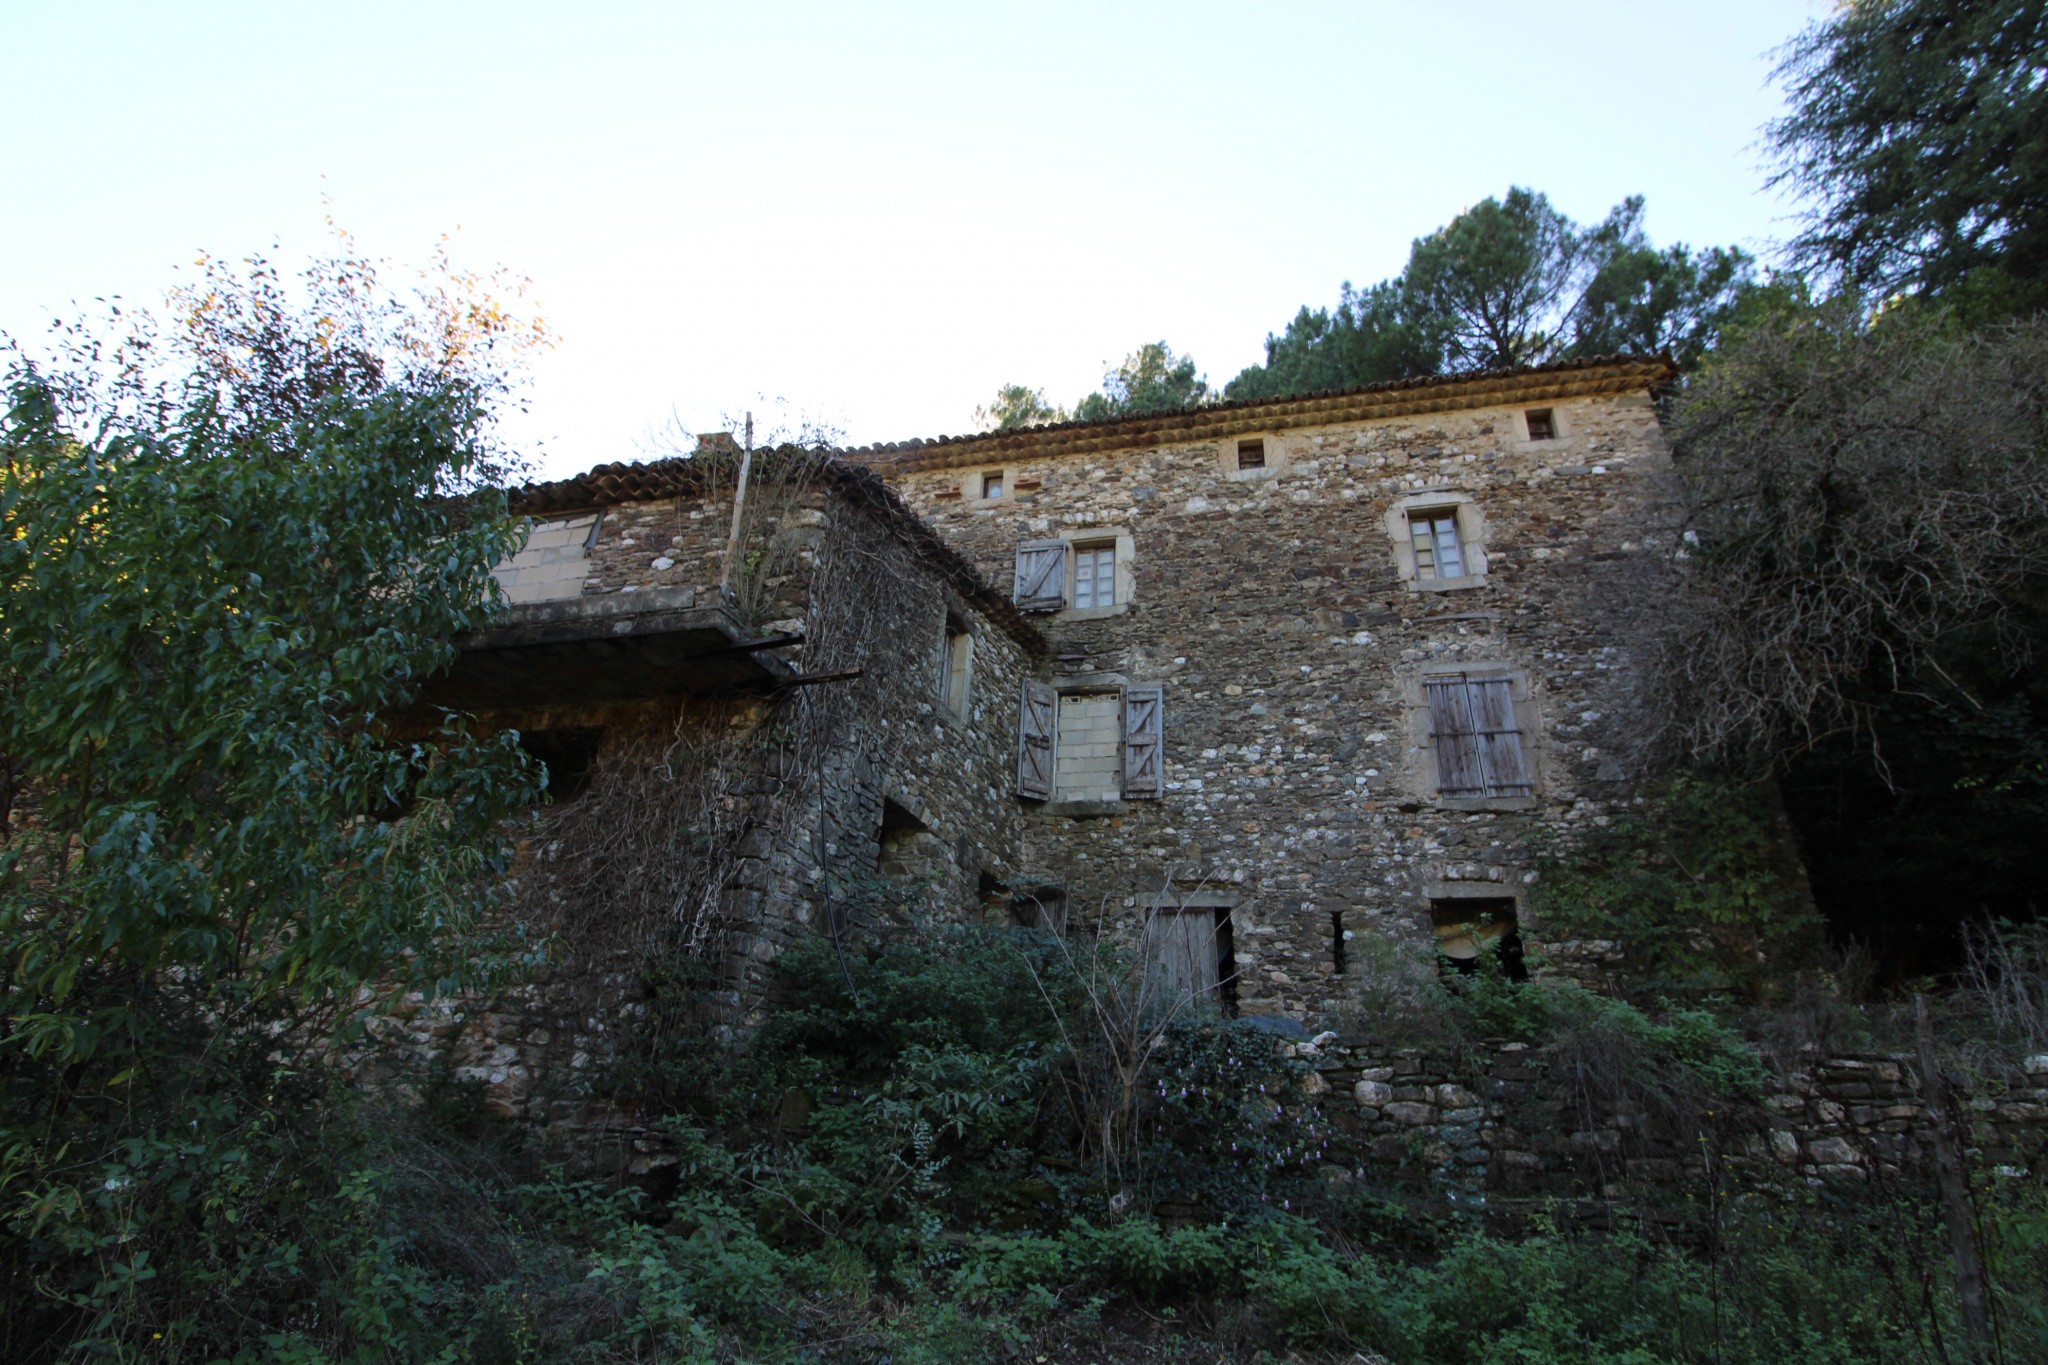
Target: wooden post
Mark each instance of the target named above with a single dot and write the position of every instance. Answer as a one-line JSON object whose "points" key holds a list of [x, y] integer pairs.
{"points": [[1955, 1189], [739, 504]]}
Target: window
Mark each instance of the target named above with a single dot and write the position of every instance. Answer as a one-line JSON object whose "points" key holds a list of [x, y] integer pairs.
{"points": [[1467, 929], [1102, 744], [1542, 424], [1251, 454], [1082, 571], [1477, 737], [1439, 540], [956, 663], [1439, 552], [1095, 575], [992, 485]]}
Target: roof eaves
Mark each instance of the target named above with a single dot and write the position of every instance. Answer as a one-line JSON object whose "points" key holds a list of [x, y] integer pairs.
{"points": [[1404, 397]]}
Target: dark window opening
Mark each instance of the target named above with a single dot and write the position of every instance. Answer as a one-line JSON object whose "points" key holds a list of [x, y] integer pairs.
{"points": [[1251, 454], [1337, 942], [1469, 930], [992, 485], [1542, 425], [566, 755]]}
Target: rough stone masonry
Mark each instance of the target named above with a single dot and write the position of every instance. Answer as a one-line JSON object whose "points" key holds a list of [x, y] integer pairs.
{"points": [[1347, 602]]}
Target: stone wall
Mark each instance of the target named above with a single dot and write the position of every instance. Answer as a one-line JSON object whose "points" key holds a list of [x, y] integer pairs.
{"points": [[1272, 604], [1502, 1128]]}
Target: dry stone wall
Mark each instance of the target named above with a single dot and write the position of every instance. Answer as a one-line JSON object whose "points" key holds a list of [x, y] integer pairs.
{"points": [[1272, 605], [1500, 1126]]}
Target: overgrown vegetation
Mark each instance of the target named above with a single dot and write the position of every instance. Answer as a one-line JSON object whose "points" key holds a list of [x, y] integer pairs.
{"points": [[897, 1171]]}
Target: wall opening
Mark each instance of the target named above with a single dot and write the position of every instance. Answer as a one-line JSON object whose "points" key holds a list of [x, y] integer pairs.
{"points": [[566, 754], [1337, 942], [1469, 929]]}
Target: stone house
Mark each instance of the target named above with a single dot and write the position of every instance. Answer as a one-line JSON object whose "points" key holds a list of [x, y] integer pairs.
{"points": [[1321, 667], [1259, 687]]}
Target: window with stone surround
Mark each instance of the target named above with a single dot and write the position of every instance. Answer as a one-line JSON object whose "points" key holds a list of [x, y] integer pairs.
{"points": [[1439, 540], [1476, 737], [1086, 571], [992, 484], [1251, 454], [1542, 424], [1091, 745]]}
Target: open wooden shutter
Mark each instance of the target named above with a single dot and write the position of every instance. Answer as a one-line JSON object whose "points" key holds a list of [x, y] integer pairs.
{"points": [[1036, 721], [1144, 736], [1478, 743], [1041, 575]]}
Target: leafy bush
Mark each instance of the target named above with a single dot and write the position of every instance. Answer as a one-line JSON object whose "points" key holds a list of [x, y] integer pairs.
{"points": [[1698, 885]]}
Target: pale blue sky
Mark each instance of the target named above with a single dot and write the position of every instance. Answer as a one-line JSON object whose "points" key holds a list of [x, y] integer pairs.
{"points": [[878, 212]]}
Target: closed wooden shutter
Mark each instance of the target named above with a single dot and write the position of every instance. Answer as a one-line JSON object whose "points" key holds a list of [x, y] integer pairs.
{"points": [[1144, 741], [1182, 958], [1036, 720], [1478, 742], [1041, 575]]}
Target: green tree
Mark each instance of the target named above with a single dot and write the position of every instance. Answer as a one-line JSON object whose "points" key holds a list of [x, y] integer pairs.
{"points": [[1920, 130], [1510, 282], [226, 565], [1151, 379], [1368, 338], [1016, 405]]}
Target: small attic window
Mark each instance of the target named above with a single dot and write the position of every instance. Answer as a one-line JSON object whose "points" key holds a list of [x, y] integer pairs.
{"points": [[1542, 424], [1251, 454], [992, 485]]}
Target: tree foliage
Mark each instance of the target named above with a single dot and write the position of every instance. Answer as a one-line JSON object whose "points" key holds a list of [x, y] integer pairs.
{"points": [[1015, 406], [1151, 379], [1920, 130], [1859, 492], [1509, 282], [230, 551]]}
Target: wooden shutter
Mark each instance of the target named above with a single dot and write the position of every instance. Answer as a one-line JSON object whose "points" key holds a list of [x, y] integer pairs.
{"points": [[1499, 737], [1144, 746], [1036, 721], [1182, 958], [1478, 743], [1041, 575]]}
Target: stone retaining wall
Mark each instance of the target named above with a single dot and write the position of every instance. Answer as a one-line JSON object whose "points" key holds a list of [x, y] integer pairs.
{"points": [[1504, 1127]]}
